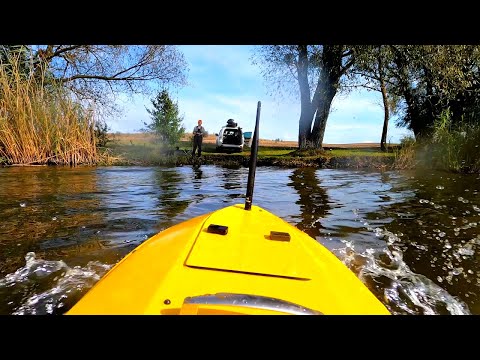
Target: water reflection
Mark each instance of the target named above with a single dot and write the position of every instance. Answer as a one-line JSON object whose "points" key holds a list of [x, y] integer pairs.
{"points": [[234, 181], [197, 170], [233, 177], [55, 213], [171, 200], [313, 200], [47, 211]]}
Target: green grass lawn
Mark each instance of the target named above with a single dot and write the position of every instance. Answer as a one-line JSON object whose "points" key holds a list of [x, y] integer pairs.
{"points": [[360, 152], [149, 149]]}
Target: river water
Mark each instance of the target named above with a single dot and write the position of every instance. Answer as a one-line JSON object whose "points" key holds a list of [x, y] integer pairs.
{"points": [[411, 236]]}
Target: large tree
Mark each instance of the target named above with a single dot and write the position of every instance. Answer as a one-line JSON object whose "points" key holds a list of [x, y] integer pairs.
{"points": [[372, 67], [318, 71], [101, 72]]}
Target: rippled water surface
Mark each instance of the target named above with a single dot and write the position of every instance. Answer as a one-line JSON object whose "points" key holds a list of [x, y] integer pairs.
{"points": [[412, 237]]}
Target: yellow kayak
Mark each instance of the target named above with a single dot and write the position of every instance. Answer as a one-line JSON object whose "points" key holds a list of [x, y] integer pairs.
{"points": [[231, 261], [236, 260]]}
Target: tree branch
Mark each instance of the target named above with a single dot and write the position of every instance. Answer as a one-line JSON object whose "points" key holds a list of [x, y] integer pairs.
{"points": [[58, 51], [103, 77], [344, 69]]}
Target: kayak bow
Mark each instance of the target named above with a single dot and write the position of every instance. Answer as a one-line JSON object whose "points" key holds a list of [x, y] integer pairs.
{"points": [[236, 260]]}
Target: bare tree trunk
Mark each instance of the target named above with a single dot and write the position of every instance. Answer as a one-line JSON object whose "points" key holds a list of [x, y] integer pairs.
{"points": [[326, 89], [386, 117], [304, 131], [317, 109], [321, 117], [313, 200], [306, 110], [383, 90]]}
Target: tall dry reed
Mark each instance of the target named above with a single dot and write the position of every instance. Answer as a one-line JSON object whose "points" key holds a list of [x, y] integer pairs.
{"points": [[405, 156], [40, 123]]}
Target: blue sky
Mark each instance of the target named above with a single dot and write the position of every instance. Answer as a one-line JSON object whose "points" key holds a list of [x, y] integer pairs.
{"points": [[224, 84]]}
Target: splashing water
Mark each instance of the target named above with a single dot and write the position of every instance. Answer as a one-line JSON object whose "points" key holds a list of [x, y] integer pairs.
{"points": [[61, 284], [385, 272], [404, 292]]}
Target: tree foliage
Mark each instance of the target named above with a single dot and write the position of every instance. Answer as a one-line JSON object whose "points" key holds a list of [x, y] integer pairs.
{"points": [[433, 78], [372, 68], [165, 120], [99, 73]]}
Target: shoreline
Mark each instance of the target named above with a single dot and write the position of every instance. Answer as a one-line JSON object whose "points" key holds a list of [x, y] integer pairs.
{"points": [[364, 159], [321, 162], [141, 149]]}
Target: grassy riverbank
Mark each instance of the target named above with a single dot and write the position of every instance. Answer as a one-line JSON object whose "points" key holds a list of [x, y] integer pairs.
{"points": [[143, 149]]}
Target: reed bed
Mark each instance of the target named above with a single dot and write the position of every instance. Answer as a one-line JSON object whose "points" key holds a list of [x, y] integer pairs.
{"points": [[40, 123]]}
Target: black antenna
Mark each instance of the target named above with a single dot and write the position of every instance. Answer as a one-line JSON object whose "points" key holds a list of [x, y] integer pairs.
{"points": [[253, 162]]}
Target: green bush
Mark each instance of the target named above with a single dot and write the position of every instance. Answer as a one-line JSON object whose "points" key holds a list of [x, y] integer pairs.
{"points": [[454, 147]]}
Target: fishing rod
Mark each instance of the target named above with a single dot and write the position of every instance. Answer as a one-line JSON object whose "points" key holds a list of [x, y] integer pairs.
{"points": [[253, 162]]}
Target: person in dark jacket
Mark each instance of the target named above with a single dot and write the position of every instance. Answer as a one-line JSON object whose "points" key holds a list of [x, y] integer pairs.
{"points": [[198, 132]]}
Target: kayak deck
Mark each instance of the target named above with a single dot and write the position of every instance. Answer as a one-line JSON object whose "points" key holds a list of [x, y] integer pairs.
{"points": [[251, 262]]}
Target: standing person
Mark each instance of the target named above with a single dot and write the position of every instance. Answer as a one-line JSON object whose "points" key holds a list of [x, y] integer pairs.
{"points": [[198, 132]]}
